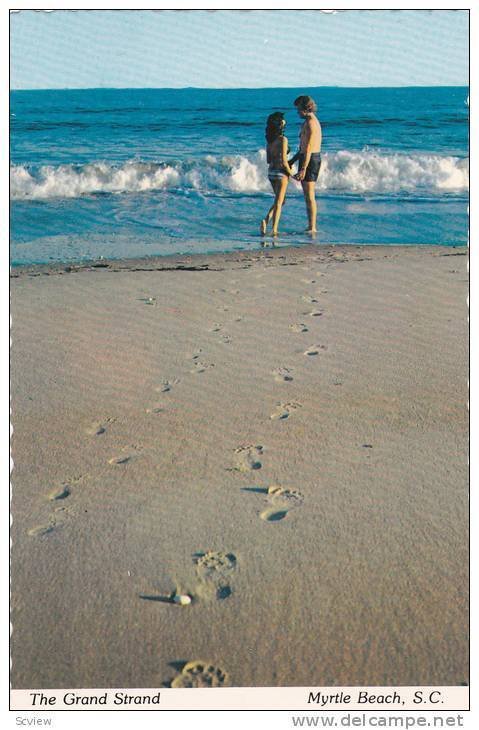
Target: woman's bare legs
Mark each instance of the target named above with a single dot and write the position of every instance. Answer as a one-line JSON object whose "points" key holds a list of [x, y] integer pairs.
{"points": [[280, 190], [267, 218], [310, 200], [277, 186]]}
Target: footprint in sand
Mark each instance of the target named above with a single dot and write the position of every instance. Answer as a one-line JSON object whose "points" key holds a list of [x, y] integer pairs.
{"points": [[284, 410], [148, 300], [119, 460], [59, 493], [299, 327], [56, 520], [315, 350], [200, 367], [247, 458], [310, 300], [167, 385], [314, 313], [41, 530], [308, 281], [216, 327], [200, 674], [155, 410], [129, 455], [98, 427], [281, 501], [282, 375], [214, 569], [226, 339], [273, 514], [64, 490], [64, 511]]}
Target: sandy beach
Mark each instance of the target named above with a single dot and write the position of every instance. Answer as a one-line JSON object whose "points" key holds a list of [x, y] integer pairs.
{"points": [[281, 435]]}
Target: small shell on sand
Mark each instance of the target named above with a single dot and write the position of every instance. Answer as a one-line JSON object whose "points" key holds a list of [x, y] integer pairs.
{"points": [[182, 599]]}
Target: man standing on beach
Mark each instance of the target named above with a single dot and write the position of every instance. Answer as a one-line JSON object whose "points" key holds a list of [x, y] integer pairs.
{"points": [[309, 155]]}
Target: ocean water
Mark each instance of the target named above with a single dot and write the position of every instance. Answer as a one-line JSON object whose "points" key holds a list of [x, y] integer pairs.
{"points": [[135, 172]]}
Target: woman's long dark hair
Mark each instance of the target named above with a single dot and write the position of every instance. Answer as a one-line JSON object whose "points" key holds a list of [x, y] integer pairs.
{"points": [[274, 126]]}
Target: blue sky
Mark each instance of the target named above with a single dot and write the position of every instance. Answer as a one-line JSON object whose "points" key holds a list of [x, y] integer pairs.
{"points": [[229, 49]]}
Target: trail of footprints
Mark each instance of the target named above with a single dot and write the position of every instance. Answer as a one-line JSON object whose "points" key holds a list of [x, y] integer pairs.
{"points": [[214, 569]]}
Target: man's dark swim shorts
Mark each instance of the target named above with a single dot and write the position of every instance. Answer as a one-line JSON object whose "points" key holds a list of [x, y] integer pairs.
{"points": [[312, 171]]}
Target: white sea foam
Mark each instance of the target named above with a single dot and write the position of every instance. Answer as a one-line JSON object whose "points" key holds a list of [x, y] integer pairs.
{"points": [[344, 171], [362, 172]]}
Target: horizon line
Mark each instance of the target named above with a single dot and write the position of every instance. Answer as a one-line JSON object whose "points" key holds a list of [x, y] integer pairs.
{"points": [[238, 88]]}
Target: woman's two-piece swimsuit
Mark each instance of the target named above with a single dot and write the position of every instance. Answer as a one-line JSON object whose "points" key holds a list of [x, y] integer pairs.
{"points": [[276, 173], [312, 171]]}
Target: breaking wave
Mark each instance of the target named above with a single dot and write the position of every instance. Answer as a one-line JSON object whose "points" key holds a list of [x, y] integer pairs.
{"points": [[344, 171]]}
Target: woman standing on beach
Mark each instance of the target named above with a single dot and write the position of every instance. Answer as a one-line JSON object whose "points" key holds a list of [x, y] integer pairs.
{"points": [[279, 170]]}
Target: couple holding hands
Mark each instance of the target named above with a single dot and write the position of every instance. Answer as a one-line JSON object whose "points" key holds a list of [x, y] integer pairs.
{"points": [[279, 167]]}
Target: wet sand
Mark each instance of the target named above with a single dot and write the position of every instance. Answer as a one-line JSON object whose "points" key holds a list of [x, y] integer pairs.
{"points": [[280, 435]]}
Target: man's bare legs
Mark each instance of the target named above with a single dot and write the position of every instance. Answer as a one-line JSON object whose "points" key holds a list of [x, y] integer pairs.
{"points": [[310, 200]]}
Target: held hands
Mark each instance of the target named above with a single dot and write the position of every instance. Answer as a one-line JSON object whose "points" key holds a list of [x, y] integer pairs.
{"points": [[300, 174]]}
